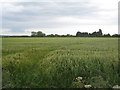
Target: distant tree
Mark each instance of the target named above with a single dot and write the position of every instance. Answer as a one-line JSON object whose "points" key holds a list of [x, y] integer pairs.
{"points": [[116, 35], [33, 34], [51, 35], [78, 34], [100, 32], [86, 34], [96, 34], [68, 35], [40, 34], [107, 35], [37, 34], [63, 36], [82, 34], [56, 35]]}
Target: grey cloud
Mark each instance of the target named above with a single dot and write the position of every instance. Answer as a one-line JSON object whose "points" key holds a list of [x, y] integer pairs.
{"points": [[42, 14]]}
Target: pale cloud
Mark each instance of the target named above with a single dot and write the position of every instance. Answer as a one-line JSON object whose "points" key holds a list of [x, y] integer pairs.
{"points": [[8, 7], [82, 21], [104, 4], [9, 32], [4, 31]]}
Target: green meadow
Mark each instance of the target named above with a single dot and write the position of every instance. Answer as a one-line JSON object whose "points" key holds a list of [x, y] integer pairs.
{"points": [[56, 62]]}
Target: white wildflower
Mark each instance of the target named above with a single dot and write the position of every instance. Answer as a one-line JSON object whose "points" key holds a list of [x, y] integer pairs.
{"points": [[88, 86], [116, 87], [79, 78]]}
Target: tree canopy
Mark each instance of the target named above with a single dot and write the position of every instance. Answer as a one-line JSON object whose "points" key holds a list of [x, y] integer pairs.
{"points": [[78, 34], [37, 34], [86, 34]]}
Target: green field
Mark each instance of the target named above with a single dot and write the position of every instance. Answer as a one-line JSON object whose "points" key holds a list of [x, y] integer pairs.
{"points": [[57, 62]]}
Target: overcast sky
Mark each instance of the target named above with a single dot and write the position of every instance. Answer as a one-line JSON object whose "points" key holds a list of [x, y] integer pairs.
{"points": [[20, 17]]}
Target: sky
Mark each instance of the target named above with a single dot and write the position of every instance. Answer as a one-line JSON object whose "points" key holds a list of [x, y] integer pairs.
{"points": [[21, 17]]}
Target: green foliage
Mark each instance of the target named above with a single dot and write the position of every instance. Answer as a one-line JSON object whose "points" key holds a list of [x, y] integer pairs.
{"points": [[37, 34], [57, 62], [86, 34], [99, 82]]}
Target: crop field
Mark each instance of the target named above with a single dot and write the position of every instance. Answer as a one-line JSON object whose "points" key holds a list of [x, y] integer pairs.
{"points": [[60, 62]]}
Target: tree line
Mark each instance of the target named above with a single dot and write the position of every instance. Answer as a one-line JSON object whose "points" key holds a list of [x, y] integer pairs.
{"points": [[78, 34]]}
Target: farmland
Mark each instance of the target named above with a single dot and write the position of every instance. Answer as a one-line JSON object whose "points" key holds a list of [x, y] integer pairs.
{"points": [[57, 62]]}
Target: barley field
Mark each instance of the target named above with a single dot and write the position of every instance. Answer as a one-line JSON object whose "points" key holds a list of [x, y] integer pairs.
{"points": [[59, 62]]}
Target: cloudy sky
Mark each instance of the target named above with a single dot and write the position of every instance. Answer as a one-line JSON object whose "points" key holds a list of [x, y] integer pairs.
{"points": [[20, 17]]}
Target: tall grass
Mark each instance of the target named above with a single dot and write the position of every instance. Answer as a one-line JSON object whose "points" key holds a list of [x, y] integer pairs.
{"points": [[57, 62]]}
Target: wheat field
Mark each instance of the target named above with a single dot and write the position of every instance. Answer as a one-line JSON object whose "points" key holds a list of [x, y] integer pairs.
{"points": [[57, 62]]}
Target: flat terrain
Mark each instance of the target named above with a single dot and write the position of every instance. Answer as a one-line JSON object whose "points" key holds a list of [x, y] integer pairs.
{"points": [[57, 62]]}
